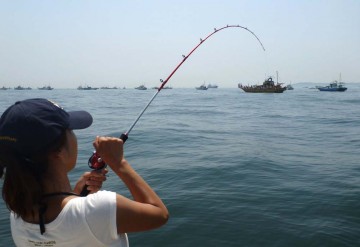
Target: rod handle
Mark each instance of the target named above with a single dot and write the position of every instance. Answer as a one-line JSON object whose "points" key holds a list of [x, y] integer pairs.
{"points": [[95, 162], [84, 191]]}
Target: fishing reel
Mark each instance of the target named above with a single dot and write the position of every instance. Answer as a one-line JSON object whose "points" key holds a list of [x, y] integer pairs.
{"points": [[95, 162]]}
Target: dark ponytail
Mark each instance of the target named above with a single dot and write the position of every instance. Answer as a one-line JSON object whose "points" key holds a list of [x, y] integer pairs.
{"points": [[23, 177]]}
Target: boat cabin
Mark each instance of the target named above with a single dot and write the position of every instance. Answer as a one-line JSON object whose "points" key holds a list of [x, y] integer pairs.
{"points": [[269, 82]]}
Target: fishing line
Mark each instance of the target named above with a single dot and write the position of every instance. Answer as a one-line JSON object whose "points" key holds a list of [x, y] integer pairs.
{"points": [[95, 161], [124, 136]]}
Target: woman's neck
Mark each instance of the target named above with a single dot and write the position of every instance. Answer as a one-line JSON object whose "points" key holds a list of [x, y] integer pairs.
{"points": [[56, 182]]}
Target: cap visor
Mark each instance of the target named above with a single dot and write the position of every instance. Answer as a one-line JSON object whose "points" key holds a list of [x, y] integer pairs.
{"points": [[79, 119]]}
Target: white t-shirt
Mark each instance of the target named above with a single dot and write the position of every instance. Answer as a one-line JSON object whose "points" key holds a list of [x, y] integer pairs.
{"points": [[85, 221]]}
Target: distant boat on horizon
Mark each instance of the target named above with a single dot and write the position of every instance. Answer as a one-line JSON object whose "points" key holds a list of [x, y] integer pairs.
{"points": [[335, 86], [202, 87], [268, 86], [87, 88], [108, 88], [45, 88], [22, 88], [212, 85], [141, 87]]}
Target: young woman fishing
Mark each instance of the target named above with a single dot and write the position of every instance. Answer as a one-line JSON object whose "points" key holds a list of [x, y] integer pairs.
{"points": [[38, 149]]}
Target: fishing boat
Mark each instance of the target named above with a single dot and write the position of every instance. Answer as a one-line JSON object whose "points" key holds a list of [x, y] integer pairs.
{"points": [[45, 88], [141, 87], [334, 86], [202, 87], [22, 88], [87, 88], [108, 87], [212, 85], [268, 86]]}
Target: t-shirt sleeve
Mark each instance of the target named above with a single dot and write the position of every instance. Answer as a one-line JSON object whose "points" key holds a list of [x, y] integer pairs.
{"points": [[100, 211]]}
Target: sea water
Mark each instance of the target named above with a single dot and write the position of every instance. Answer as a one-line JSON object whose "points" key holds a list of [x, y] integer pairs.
{"points": [[233, 168]]}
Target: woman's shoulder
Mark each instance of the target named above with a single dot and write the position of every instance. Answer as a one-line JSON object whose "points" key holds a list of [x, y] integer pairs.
{"points": [[99, 201], [101, 195]]}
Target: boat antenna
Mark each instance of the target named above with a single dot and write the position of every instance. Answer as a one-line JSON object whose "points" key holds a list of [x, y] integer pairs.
{"points": [[95, 162]]}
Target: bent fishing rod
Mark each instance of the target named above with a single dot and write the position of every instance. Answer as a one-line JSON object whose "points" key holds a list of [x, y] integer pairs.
{"points": [[95, 162]]}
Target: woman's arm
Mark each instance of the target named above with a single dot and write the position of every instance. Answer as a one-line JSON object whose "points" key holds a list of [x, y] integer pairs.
{"points": [[146, 211]]}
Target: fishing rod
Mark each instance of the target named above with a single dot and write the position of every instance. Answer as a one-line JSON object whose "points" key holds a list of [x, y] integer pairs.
{"points": [[95, 162]]}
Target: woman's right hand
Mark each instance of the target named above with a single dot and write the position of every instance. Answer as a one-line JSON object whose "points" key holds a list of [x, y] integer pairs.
{"points": [[110, 149]]}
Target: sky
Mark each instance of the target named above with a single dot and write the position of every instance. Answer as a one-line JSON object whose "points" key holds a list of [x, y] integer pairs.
{"points": [[125, 43]]}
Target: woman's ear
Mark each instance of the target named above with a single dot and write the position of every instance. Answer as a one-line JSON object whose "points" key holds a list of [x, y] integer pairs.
{"points": [[56, 155]]}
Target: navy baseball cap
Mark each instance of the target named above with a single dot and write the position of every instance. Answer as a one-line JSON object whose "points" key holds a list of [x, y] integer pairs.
{"points": [[29, 126]]}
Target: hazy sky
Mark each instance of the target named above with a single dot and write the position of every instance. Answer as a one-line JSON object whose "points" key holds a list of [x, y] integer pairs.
{"points": [[67, 43]]}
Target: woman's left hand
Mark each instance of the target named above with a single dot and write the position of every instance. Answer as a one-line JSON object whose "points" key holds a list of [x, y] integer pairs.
{"points": [[93, 180]]}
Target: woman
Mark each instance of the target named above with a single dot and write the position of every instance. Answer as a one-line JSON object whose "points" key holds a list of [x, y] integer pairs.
{"points": [[37, 150]]}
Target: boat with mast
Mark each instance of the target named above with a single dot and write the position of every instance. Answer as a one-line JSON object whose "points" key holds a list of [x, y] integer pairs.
{"points": [[268, 86], [335, 86]]}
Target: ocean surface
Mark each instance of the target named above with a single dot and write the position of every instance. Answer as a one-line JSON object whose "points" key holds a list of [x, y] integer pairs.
{"points": [[233, 168]]}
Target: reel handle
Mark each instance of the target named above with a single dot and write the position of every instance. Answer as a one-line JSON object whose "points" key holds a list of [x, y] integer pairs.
{"points": [[95, 162]]}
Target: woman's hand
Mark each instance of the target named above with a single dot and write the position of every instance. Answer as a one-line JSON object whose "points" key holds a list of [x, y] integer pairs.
{"points": [[110, 149], [93, 180]]}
